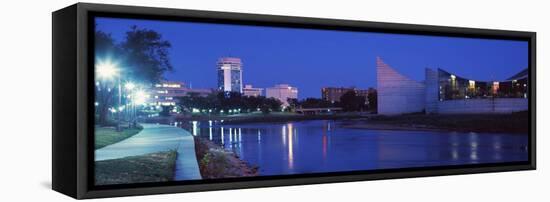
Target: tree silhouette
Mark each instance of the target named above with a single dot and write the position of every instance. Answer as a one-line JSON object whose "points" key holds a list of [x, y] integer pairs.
{"points": [[142, 57], [147, 55], [350, 101]]}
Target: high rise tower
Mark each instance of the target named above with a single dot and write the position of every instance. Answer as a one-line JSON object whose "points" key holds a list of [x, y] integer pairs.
{"points": [[230, 74]]}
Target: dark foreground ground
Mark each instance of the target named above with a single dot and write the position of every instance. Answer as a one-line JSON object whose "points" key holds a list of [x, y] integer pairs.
{"points": [[215, 162], [491, 123], [156, 167]]}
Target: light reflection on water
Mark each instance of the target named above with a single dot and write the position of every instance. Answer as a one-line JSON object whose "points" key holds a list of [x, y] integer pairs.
{"points": [[325, 146]]}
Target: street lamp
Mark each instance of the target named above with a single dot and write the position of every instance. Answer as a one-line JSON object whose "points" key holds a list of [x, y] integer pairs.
{"points": [[129, 86], [107, 69], [140, 97]]}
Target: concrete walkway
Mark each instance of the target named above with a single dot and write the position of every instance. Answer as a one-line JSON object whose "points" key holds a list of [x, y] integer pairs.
{"points": [[157, 138]]}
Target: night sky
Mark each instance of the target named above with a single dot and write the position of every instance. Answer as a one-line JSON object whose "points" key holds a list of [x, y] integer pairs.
{"points": [[312, 59]]}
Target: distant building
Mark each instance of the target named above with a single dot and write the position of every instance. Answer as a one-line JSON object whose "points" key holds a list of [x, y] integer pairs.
{"points": [[230, 74], [248, 90], [167, 93], [333, 94], [282, 92], [446, 93]]}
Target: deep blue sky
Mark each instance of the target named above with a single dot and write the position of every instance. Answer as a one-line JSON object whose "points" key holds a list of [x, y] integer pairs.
{"points": [[311, 59]]}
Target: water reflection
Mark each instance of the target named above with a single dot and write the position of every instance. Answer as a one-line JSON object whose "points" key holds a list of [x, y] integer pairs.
{"points": [[325, 143], [195, 127], [259, 136], [326, 146], [290, 146], [221, 133]]}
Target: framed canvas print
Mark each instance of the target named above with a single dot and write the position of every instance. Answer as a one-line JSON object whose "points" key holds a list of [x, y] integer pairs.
{"points": [[155, 100]]}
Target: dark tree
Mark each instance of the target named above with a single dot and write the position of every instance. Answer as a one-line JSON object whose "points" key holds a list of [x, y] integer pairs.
{"points": [[373, 100], [194, 100], [166, 111], [292, 104], [104, 47], [350, 101], [147, 54], [315, 103], [273, 104], [143, 58], [229, 101]]}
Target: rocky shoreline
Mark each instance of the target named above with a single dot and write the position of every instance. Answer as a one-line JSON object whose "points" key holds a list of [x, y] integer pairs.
{"points": [[215, 162]]}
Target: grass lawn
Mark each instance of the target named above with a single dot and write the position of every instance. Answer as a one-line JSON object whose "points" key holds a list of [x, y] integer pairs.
{"points": [[156, 167], [108, 135]]}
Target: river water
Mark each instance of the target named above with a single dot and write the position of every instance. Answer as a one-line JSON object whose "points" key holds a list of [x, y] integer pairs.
{"points": [[326, 146]]}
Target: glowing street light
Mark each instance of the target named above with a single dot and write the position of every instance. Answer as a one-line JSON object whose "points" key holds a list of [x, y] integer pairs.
{"points": [[106, 69], [129, 86], [140, 97]]}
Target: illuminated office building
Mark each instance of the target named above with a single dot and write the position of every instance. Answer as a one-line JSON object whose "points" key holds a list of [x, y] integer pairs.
{"points": [[282, 92], [250, 91], [230, 74]]}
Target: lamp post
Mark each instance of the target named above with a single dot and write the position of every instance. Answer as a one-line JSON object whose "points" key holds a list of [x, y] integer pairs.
{"points": [[129, 87], [119, 104], [107, 69]]}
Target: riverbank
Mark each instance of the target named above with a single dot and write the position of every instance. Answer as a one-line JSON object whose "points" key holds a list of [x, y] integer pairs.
{"points": [[215, 162], [516, 123], [155, 167], [273, 117]]}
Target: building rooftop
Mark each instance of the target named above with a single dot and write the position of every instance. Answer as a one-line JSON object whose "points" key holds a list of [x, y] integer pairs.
{"points": [[520, 75], [229, 60]]}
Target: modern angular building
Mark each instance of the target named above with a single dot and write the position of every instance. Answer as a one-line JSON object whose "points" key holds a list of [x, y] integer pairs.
{"points": [[445, 92], [250, 91], [282, 92], [230, 74], [397, 94]]}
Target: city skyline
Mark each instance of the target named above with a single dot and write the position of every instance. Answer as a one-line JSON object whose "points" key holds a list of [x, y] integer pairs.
{"points": [[338, 58]]}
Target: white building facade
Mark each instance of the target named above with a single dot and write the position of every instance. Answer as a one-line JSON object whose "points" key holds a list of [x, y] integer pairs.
{"points": [[250, 91], [282, 92]]}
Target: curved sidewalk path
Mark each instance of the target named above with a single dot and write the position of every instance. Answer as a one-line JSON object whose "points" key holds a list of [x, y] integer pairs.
{"points": [[157, 138]]}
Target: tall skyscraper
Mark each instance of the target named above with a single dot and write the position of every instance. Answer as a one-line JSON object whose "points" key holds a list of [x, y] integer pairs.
{"points": [[230, 74]]}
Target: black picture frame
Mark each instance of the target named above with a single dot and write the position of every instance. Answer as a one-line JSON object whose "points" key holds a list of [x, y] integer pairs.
{"points": [[72, 83]]}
